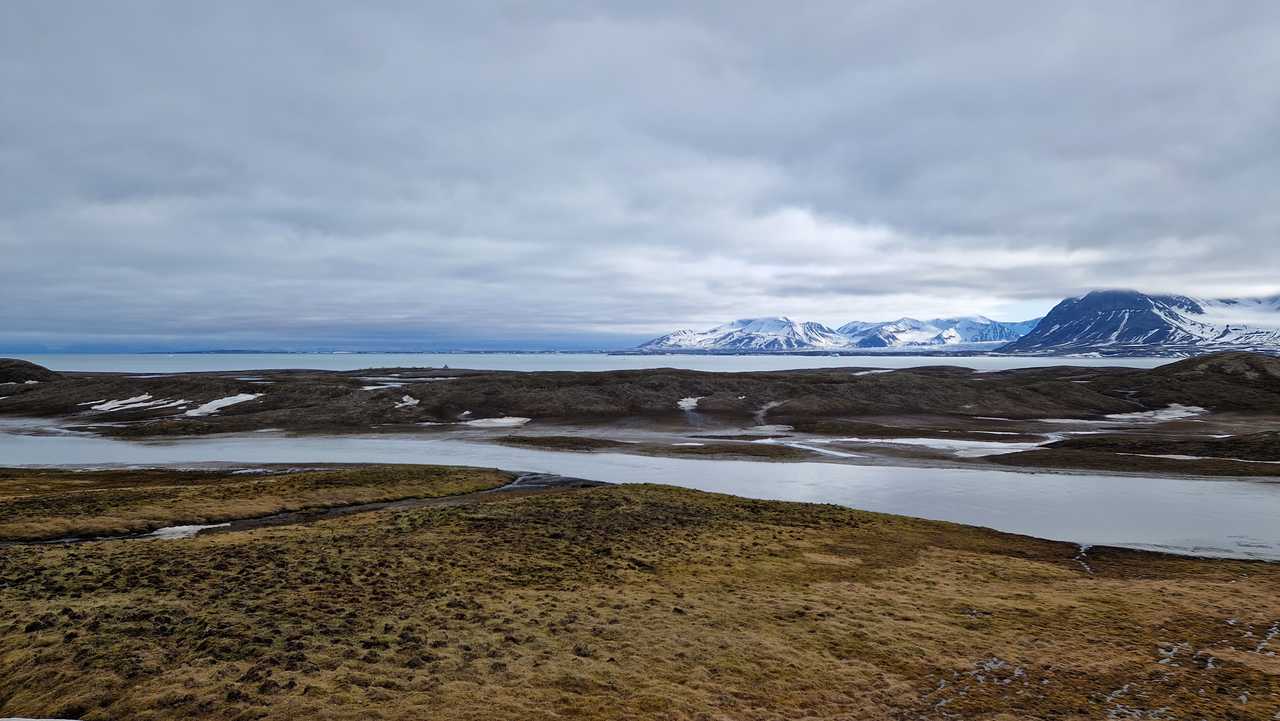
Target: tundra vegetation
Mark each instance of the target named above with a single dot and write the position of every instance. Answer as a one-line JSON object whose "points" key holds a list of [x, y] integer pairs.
{"points": [[612, 602]]}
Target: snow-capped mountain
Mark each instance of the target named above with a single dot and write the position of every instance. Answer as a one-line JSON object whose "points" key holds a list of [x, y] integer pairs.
{"points": [[783, 334], [1126, 322], [753, 334], [968, 330]]}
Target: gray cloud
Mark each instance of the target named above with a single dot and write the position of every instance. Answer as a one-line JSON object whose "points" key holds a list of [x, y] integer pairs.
{"points": [[529, 173]]}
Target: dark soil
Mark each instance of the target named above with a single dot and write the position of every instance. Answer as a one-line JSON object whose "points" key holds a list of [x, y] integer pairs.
{"points": [[361, 400]]}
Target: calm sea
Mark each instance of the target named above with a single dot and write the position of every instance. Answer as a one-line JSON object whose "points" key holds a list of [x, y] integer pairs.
{"points": [[180, 363]]}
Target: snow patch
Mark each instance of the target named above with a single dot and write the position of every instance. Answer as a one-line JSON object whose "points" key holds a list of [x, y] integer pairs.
{"points": [[823, 451], [216, 405], [116, 405], [1172, 413], [689, 404], [407, 402], [764, 411], [1179, 457], [173, 533], [136, 402]]}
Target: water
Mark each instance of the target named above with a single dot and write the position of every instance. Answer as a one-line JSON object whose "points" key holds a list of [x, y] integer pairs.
{"points": [[189, 363], [1227, 518]]}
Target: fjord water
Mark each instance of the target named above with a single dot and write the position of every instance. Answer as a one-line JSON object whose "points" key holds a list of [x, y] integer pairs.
{"points": [[142, 363], [1229, 518]]}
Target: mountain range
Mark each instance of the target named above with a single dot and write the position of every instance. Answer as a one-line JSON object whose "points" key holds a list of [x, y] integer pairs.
{"points": [[784, 334], [1105, 322]]}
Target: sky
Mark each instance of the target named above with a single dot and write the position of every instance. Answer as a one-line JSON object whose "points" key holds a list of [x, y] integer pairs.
{"points": [[425, 175]]}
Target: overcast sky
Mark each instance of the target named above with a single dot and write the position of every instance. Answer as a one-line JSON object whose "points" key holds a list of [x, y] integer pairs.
{"points": [[182, 174]]}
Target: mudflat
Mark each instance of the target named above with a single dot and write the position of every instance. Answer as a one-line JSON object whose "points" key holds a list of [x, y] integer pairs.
{"points": [[614, 602]]}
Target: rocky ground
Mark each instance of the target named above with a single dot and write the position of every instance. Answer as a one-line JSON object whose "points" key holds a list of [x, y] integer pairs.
{"points": [[642, 602], [1211, 415]]}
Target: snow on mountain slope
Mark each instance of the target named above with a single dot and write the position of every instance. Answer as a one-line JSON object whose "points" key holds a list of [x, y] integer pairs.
{"points": [[1123, 322], [778, 334], [967, 330], [753, 334]]}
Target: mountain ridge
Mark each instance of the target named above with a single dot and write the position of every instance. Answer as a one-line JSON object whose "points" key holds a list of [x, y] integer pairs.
{"points": [[780, 333], [1129, 322], [1098, 323]]}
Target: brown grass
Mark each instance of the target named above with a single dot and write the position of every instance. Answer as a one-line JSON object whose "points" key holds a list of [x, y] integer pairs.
{"points": [[43, 504], [631, 602]]}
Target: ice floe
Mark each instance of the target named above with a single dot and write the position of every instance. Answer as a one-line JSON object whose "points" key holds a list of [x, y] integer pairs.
{"points": [[961, 448], [503, 422], [216, 405]]}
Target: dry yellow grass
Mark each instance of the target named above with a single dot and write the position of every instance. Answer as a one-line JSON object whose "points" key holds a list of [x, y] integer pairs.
{"points": [[43, 504], [631, 602]]}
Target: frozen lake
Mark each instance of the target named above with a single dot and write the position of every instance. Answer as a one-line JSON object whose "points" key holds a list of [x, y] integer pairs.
{"points": [[187, 363], [1229, 518]]}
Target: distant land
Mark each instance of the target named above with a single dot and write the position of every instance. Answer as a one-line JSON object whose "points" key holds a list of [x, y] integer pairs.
{"points": [[1111, 323], [1103, 322]]}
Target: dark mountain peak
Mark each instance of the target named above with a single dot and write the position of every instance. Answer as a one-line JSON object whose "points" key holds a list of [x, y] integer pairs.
{"points": [[1129, 322], [1121, 299]]}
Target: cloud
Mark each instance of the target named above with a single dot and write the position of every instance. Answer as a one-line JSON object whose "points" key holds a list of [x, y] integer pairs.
{"points": [[414, 176]]}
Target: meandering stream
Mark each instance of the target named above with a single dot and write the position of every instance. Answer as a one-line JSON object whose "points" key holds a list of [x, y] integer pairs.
{"points": [[1228, 518]]}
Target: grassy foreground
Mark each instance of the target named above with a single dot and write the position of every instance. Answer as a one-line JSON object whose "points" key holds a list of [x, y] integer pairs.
{"points": [[631, 602], [52, 503]]}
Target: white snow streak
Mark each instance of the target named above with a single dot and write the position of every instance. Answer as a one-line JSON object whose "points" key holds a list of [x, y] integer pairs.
{"points": [[173, 533], [217, 405]]}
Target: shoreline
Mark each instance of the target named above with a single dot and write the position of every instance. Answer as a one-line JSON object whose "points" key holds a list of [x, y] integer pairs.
{"points": [[521, 484], [717, 449]]}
